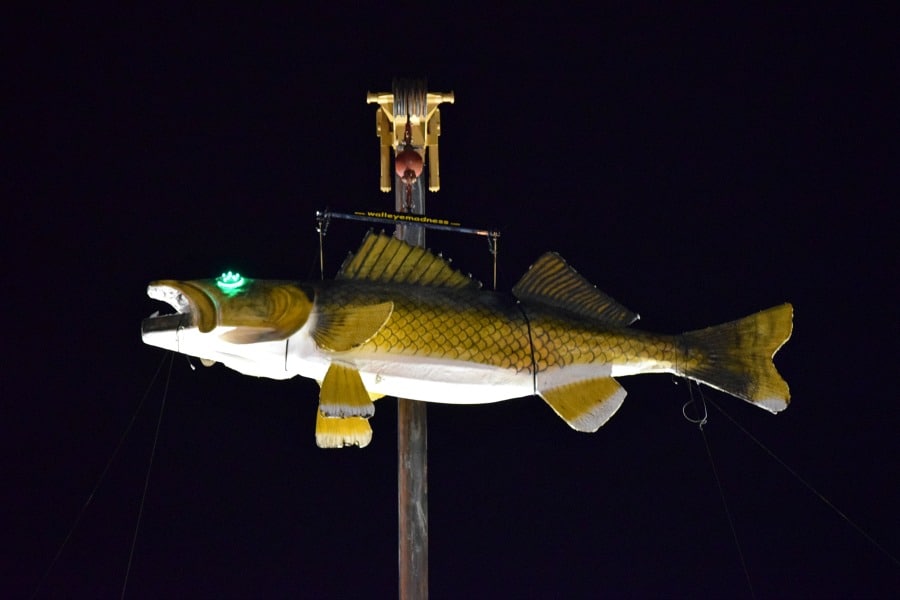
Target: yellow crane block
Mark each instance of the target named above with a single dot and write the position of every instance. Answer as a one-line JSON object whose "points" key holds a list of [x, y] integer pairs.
{"points": [[418, 108]]}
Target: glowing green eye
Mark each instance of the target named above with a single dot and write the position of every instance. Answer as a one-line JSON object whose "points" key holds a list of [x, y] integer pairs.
{"points": [[229, 281]]}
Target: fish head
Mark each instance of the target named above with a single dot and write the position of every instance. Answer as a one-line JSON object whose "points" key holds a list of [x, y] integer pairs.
{"points": [[215, 317]]}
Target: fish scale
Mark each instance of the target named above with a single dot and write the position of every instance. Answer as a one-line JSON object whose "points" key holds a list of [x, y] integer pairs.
{"points": [[458, 324], [451, 324], [562, 342]]}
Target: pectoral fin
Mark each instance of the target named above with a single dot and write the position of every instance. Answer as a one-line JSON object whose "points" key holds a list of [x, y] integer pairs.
{"points": [[342, 329], [586, 405]]}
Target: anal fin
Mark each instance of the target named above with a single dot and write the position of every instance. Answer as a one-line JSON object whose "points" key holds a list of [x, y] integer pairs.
{"points": [[586, 405], [339, 432]]}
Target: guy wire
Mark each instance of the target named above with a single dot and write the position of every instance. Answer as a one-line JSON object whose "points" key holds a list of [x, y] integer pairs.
{"points": [[809, 486], [102, 476], [137, 526]]}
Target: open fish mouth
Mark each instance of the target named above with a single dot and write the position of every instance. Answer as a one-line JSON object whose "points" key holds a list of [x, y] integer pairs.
{"points": [[193, 307]]}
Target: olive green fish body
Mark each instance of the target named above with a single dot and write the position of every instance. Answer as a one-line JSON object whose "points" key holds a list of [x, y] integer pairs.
{"points": [[560, 342], [492, 329], [437, 323], [399, 321]]}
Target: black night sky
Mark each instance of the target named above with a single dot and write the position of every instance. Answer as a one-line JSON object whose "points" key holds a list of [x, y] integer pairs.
{"points": [[697, 166]]}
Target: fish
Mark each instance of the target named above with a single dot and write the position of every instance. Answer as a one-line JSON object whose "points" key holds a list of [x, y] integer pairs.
{"points": [[399, 320]]}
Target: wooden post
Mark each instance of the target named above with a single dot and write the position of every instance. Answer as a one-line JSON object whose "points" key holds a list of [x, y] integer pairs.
{"points": [[412, 444], [408, 122], [412, 498]]}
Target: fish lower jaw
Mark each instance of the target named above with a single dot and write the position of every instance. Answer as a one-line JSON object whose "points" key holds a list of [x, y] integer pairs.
{"points": [[263, 359]]}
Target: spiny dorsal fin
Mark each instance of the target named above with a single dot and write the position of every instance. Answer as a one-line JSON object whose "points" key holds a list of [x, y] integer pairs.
{"points": [[586, 405], [552, 282], [384, 258], [341, 329]]}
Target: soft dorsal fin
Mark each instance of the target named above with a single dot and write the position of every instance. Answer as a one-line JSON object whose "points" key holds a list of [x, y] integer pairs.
{"points": [[552, 282], [384, 258]]}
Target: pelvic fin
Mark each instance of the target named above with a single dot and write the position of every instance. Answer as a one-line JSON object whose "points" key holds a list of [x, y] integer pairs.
{"points": [[338, 432], [343, 393]]}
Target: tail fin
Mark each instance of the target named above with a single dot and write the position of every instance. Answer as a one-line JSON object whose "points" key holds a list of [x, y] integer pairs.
{"points": [[736, 357]]}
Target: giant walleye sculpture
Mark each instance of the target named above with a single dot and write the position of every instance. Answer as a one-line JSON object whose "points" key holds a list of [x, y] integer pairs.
{"points": [[399, 321]]}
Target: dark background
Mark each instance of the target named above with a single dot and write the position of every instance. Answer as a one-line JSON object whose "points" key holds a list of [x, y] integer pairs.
{"points": [[698, 166]]}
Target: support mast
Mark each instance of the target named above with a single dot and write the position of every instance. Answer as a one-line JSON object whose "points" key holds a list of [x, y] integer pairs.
{"points": [[408, 122]]}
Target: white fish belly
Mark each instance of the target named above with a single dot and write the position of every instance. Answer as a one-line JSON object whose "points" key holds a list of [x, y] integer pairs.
{"points": [[448, 382], [414, 377]]}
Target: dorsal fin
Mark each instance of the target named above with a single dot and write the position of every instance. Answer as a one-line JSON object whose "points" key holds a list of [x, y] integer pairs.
{"points": [[386, 259], [552, 282]]}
